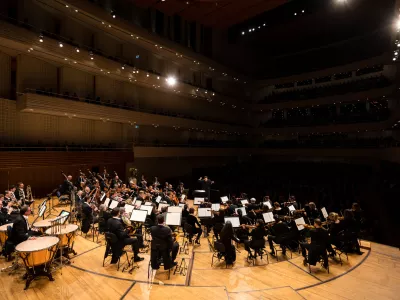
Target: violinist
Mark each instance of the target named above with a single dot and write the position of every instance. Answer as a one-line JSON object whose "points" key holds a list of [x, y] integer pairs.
{"points": [[312, 212], [257, 237], [278, 210], [81, 181], [104, 215], [156, 184], [87, 215], [218, 222], [192, 221], [116, 227], [279, 233], [116, 182]]}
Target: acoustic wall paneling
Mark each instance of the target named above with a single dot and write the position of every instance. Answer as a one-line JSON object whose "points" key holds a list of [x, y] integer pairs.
{"points": [[5, 75], [7, 121], [76, 81], [34, 73]]}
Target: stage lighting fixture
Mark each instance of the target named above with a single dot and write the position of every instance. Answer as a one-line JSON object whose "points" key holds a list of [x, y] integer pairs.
{"points": [[171, 81], [41, 38]]}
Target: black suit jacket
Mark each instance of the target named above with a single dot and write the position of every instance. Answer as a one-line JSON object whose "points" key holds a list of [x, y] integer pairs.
{"points": [[115, 226], [161, 237], [20, 230]]}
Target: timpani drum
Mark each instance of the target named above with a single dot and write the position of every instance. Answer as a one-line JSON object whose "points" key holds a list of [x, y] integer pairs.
{"points": [[43, 224], [37, 255], [66, 235], [3, 234]]}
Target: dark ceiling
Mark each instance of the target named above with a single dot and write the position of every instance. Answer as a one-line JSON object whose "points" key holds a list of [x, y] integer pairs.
{"points": [[219, 14]]}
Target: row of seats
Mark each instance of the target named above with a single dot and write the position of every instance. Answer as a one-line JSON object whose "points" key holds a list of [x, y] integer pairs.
{"points": [[331, 90]]}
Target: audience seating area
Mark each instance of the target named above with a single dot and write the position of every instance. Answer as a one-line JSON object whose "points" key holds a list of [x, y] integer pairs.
{"points": [[331, 90]]}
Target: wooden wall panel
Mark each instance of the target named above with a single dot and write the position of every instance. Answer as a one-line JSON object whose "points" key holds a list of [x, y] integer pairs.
{"points": [[7, 121], [41, 170], [34, 73], [5, 75], [75, 81]]}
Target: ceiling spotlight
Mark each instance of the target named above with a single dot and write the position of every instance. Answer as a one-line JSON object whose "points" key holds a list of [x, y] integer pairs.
{"points": [[76, 10], [91, 55], [171, 81], [123, 67], [60, 44], [295, 14], [242, 32], [77, 50], [147, 75], [264, 24], [41, 38], [158, 77], [113, 14], [249, 30]]}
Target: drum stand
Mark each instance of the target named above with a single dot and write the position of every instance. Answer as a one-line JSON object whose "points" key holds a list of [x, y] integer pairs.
{"points": [[13, 267], [51, 206]]}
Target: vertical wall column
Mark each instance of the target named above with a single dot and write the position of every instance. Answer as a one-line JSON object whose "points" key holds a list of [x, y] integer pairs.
{"points": [[166, 22], [198, 38]]}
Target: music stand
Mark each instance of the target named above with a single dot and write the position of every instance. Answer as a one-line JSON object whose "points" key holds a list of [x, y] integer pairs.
{"points": [[51, 204]]}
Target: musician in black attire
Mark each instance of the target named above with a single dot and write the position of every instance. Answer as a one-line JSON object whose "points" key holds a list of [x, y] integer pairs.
{"points": [[5, 211], [206, 185], [351, 230], [218, 222], [279, 234], [317, 247], [226, 237], [116, 227], [162, 245], [67, 187], [192, 221], [87, 215], [257, 237], [312, 212], [21, 229]]}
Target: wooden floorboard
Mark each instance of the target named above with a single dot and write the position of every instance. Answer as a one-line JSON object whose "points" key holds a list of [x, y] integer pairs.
{"points": [[373, 275]]}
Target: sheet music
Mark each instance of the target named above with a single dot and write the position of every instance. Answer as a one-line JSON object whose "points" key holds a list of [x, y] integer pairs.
{"points": [[324, 212], [161, 205], [183, 197], [149, 209], [198, 201], [291, 208], [129, 208], [244, 201], [204, 212], [267, 204], [158, 199], [64, 216], [234, 220], [243, 209], [175, 209], [215, 206], [148, 203], [113, 204], [138, 215], [224, 199], [300, 221], [268, 217], [181, 205], [107, 202], [199, 191], [173, 219], [138, 203], [42, 210]]}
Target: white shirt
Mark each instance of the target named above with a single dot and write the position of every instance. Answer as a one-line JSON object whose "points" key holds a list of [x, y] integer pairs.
{"points": [[27, 222]]}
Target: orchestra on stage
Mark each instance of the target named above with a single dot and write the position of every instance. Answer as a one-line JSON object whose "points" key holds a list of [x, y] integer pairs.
{"points": [[143, 216]]}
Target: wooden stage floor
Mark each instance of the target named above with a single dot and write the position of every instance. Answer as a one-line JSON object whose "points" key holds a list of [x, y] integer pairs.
{"points": [[373, 275]]}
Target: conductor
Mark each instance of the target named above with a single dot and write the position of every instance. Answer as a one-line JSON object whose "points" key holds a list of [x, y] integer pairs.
{"points": [[205, 185]]}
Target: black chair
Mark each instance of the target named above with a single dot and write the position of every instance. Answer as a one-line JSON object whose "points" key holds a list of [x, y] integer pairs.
{"points": [[218, 252], [160, 263], [112, 248], [321, 259], [259, 249], [187, 238], [283, 247]]}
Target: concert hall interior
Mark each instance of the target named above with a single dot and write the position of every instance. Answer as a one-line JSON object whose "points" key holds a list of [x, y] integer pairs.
{"points": [[199, 149]]}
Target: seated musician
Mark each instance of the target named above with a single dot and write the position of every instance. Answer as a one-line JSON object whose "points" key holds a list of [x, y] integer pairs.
{"points": [[351, 230], [116, 227], [279, 233], [104, 215], [278, 209], [358, 215], [163, 245], [312, 212], [7, 198], [218, 222], [335, 227], [226, 237], [185, 211], [87, 215], [5, 212], [192, 220], [317, 247], [21, 229], [257, 237]]}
